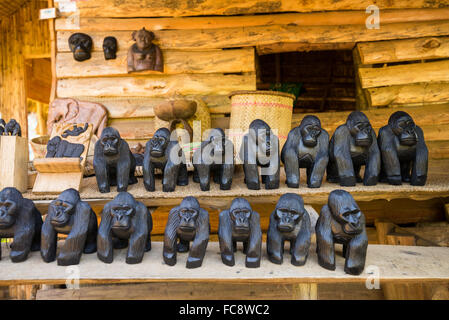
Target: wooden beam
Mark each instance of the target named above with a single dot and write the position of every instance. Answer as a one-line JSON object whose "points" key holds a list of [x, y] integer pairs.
{"points": [[409, 94], [429, 72], [197, 39], [89, 24], [301, 46], [175, 62], [156, 85], [155, 8], [403, 50]]}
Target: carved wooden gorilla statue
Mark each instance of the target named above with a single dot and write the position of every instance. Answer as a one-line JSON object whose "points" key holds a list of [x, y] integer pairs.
{"points": [[168, 156], [215, 156], [341, 221], [125, 222], [69, 215], [353, 145], [307, 146], [289, 222], [12, 128], [81, 45], [240, 223], [403, 150], [186, 222], [19, 219], [114, 163], [2, 126], [260, 147]]}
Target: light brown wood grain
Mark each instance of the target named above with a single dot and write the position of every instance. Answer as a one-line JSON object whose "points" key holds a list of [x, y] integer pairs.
{"points": [[61, 165], [428, 72], [175, 62], [403, 50], [95, 23], [156, 85], [200, 39], [155, 8], [14, 162], [419, 93]]}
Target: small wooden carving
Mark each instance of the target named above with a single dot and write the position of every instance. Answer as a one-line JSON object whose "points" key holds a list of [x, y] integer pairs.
{"points": [[12, 128], [144, 54], [110, 48], [73, 111], [81, 45]]}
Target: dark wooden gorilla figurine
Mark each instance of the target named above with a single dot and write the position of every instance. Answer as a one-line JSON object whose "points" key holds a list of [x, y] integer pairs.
{"points": [[12, 128], [2, 126], [168, 156], [341, 221], [114, 163], [186, 222], [307, 146], [240, 223], [125, 222], [403, 150], [69, 215], [81, 45], [58, 148], [353, 145], [19, 219], [260, 147], [215, 156], [289, 222]]}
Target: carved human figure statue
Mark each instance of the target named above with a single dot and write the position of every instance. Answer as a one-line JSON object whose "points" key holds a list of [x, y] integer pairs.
{"points": [[144, 54]]}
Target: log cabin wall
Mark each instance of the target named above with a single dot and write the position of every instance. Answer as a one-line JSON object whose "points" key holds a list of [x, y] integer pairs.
{"points": [[211, 48], [22, 36]]}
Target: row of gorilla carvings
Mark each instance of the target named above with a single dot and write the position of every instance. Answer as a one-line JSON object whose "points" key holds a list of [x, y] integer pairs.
{"points": [[398, 155], [126, 222]]}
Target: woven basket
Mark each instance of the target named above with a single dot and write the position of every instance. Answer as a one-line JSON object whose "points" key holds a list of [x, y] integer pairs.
{"points": [[275, 108]]}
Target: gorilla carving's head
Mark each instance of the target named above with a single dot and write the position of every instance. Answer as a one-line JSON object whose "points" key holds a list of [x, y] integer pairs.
{"points": [[404, 128], [310, 128], [62, 209], [159, 142], [81, 46], [289, 211], [240, 213], [188, 212], [360, 128], [10, 200], [346, 212], [122, 211]]}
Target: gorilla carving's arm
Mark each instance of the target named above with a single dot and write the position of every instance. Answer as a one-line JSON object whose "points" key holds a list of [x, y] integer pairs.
{"points": [[321, 160], [123, 166], [148, 168], [272, 181], [342, 156], [372, 168], [275, 241], [172, 169], [289, 157], [202, 168], [302, 243], [77, 237], [24, 231], [254, 249], [356, 252], [248, 155], [225, 238], [325, 241], [104, 238], [169, 252], [101, 169], [48, 238], [419, 170], [390, 158], [199, 244], [139, 237]]}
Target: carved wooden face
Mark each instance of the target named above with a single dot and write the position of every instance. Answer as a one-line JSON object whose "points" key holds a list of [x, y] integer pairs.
{"points": [[81, 45], [360, 128], [109, 48], [404, 128], [143, 39]]}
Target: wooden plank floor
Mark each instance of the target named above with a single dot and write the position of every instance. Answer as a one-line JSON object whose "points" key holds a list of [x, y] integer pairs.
{"points": [[437, 186], [393, 264]]}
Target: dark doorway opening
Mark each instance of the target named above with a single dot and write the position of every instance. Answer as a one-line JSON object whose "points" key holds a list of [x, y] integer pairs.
{"points": [[321, 80]]}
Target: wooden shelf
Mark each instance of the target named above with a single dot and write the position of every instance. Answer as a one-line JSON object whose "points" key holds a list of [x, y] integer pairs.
{"points": [[394, 263]]}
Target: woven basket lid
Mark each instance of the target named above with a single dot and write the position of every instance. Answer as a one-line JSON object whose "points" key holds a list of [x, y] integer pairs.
{"points": [[274, 93]]}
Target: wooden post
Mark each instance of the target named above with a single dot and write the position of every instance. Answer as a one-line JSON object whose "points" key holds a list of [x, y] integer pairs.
{"points": [[14, 162]]}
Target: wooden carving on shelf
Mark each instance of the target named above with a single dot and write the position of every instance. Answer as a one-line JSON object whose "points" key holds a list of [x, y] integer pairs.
{"points": [[186, 223], [177, 110], [12, 128], [70, 110], [63, 166], [110, 48], [307, 146], [289, 221], [404, 152], [341, 221], [240, 224], [353, 145], [19, 219], [69, 215], [144, 54]]}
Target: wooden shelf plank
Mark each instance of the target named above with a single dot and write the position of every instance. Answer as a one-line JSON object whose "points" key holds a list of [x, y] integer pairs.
{"points": [[395, 263]]}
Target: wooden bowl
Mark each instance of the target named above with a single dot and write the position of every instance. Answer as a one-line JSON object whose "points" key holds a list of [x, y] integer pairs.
{"points": [[175, 109], [39, 146]]}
